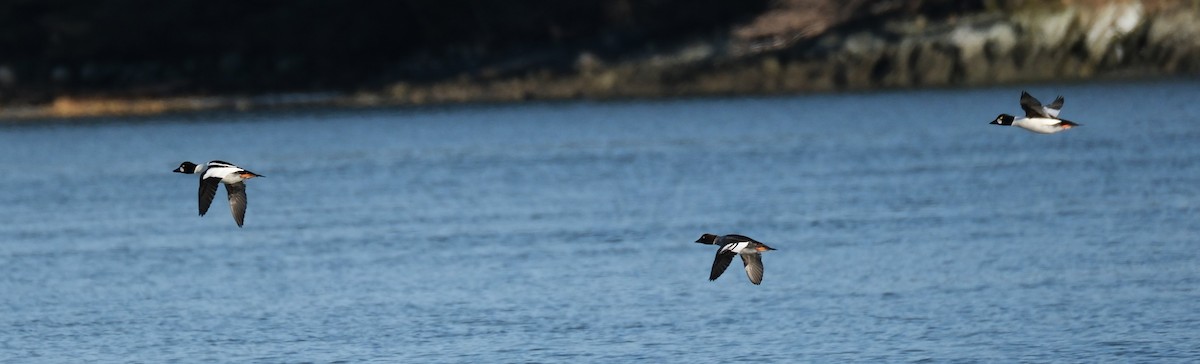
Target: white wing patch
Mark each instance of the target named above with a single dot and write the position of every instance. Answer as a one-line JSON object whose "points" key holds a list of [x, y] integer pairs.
{"points": [[1052, 112], [736, 247]]}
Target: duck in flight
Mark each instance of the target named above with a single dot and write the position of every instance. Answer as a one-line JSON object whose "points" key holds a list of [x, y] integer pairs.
{"points": [[216, 172], [1038, 118], [730, 245]]}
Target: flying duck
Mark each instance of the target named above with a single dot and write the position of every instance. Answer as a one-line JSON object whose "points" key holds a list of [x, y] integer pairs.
{"points": [[215, 172], [730, 245], [1038, 118]]}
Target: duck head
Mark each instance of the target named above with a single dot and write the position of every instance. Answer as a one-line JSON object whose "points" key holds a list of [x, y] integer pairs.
{"points": [[707, 239], [1003, 119], [186, 167]]}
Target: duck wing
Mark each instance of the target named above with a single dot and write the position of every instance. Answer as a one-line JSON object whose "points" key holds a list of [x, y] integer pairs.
{"points": [[1033, 107], [724, 257], [208, 189], [237, 201], [1054, 107], [754, 267]]}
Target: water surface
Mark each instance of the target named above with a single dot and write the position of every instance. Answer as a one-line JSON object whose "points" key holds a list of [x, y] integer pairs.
{"points": [[907, 229]]}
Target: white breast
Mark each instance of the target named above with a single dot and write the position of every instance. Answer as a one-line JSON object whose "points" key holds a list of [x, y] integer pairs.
{"points": [[1039, 125]]}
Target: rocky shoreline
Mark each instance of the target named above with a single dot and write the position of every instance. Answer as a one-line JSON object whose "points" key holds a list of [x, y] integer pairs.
{"points": [[863, 46]]}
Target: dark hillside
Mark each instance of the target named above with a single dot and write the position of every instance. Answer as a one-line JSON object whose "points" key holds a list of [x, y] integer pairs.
{"points": [[191, 46], [69, 58]]}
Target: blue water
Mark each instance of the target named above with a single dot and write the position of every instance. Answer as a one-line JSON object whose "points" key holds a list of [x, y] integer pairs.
{"points": [[907, 229]]}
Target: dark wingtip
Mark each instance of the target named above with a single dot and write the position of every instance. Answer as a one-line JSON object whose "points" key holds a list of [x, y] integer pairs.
{"points": [[1057, 104]]}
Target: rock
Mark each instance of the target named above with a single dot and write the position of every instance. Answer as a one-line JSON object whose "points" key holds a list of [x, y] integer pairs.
{"points": [[1178, 46], [1105, 26]]}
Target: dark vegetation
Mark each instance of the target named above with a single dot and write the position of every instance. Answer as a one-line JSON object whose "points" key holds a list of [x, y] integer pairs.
{"points": [[65, 58], [155, 47]]}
